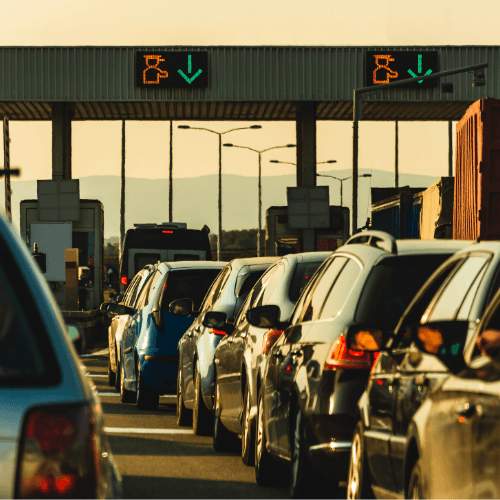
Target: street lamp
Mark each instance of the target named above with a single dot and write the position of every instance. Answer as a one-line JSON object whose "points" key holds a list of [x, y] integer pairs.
{"points": [[220, 134], [342, 182], [260, 181]]}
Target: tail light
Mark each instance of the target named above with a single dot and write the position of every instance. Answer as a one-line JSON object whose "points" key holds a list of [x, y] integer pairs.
{"points": [[213, 331], [341, 357], [59, 454], [123, 280], [271, 336]]}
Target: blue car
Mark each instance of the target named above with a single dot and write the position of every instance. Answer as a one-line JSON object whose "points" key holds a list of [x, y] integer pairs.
{"points": [[149, 344]]}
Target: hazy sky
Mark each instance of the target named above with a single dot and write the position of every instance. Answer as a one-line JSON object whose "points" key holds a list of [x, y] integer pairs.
{"points": [[96, 145]]}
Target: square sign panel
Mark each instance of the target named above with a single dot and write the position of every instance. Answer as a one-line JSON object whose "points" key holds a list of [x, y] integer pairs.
{"points": [[171, 69], [387, 66]]}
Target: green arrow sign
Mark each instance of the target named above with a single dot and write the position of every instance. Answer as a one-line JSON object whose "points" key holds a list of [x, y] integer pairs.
{"points": [[428, 72], [189, 79]]}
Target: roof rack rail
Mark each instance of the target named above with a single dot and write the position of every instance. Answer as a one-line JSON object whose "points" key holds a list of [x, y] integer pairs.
{"points": [[379, 239], [153, 225]]}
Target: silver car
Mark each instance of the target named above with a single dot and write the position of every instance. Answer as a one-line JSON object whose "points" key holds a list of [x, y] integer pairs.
{"points": [[239, 356], [52, 439], [195, 381]]}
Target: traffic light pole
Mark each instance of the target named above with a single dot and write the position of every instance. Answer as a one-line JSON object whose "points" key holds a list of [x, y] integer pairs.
{"points": [[358, 115]]}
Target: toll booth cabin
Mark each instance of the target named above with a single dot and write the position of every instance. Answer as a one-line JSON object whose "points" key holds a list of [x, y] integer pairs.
{"points": [[283, 240]]}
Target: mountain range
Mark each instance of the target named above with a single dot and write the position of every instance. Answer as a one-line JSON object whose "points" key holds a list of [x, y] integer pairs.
{"points": [[195, 198]]}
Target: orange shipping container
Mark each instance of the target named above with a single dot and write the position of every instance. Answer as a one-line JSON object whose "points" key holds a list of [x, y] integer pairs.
{"points": [[476, 212]]}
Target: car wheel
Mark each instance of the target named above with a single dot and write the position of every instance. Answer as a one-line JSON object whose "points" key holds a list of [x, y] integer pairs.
{"points": [[222, 438], [304, 481], [118, 376], [126, 396], [111, 373], [415, 486], [247, 439], [358, 482], [184, 416], [264, 466], [145, 398], [202, 418]]}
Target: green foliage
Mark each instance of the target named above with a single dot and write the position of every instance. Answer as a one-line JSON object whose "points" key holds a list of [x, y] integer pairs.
{"points": [[245, 239]]}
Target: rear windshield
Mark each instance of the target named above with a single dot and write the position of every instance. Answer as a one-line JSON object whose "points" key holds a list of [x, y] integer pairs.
{"points": [[301, 277], [192, 284], [141, 260], [391, 286], [176, 239], [245, 282], [26, 356]]}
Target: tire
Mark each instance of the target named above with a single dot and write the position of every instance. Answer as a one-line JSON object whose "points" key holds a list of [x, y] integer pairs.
{"points": [[145, 398], [247, 437], [222, 438], [184, 416], [118, 375], [126, 396], [111, 373], [202, 417], [416, 483], [304, 481], [358, 479], [264, 466]]}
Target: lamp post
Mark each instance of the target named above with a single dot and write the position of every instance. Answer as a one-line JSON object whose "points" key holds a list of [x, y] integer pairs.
{"points": [[260, 181], [220, 134], [342, 182]]}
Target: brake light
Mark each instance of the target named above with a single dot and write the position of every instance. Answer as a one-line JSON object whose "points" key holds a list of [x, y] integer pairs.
{"points": [[341, 358], [59, 455], [123, 280], [213, 331], [168, 232], [271, 336]]}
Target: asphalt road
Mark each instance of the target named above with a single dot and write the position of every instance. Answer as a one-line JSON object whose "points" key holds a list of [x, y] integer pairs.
{"points": [[158, 459]]}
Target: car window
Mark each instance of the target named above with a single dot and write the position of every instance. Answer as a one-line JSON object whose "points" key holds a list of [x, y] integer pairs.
{"points": [[271, 284], [245, 282], [391, 286], [137, 289], [299, 310], [339, 293], [465, 308], [214, 289], [446, 307], [142, 300], [187, 284], [130, 293], [301, 276], [240, 318], [322, 288]]}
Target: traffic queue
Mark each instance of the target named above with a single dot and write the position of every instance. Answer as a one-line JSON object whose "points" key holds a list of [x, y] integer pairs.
{"points": [[376, 365]]}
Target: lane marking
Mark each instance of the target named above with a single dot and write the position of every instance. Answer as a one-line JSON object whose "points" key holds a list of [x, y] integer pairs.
{"points": [[133, 430]]}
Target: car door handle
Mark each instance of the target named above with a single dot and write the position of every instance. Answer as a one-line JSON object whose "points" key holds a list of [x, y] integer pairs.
{"points": [[230, 340], [421, 380], [297, 352], [277, 354], [190, 334], [243, 335], [466, 410], [197, 329]]}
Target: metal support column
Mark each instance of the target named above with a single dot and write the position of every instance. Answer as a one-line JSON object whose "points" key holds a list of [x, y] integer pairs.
{"points": [[170, 176], [122, 195], [306, 160], [396, 157], [61, 141], [450, 149]]}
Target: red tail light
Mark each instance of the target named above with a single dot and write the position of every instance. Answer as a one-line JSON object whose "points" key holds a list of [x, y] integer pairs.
{"points": [[58, 456], [341, 358], [168, 232], [213, 331], [123, 280], [271, 336]]}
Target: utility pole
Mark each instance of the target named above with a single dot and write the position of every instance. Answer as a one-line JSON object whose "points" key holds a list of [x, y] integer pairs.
{"points": [[450, 149], [170, 179], [396, 159], [122, 194]]}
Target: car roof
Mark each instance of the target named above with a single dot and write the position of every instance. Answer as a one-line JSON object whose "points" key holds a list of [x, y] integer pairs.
{"points": [[489, 246], [195, 264], [253, 262]]}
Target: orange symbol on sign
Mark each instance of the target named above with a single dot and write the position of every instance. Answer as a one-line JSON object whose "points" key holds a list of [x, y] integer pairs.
{"points": [[382, 62], [160, 73]]}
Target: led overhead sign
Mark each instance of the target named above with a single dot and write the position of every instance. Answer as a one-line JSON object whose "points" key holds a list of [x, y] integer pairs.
{"points": [[387, 66], [172, 69]]}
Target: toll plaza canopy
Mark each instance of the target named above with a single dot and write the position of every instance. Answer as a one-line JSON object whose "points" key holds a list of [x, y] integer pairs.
{"points": [[239, 83]]}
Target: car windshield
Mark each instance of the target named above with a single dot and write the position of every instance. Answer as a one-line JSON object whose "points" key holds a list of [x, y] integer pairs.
{"points": [[391, 286], [188, 284], [245, 282]]}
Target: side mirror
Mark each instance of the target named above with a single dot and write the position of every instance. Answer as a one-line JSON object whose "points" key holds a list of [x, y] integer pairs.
{"points": [[264, 316], [368, 339], [214, 319], [181, 307], [156, 316], [119, 298], [119, 309], [104, 307], [443, 339]]}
